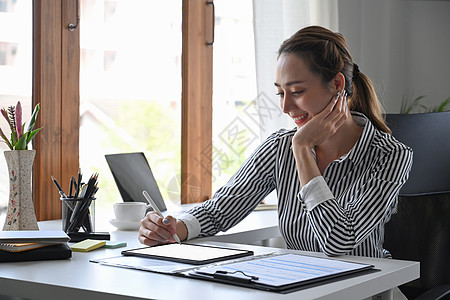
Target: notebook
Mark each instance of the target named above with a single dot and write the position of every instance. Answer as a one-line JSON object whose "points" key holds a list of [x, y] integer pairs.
{"points": [[52, 252], [132, 175], [19, 247], [31, 236]]}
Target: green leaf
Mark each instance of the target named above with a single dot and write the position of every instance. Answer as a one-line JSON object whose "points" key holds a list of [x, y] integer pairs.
{"points": [[22, 142], [424, 107], [441, 107], [32, 134], [13, 140], [33, 117], [444, 104], [408, 105], [5, 139]]}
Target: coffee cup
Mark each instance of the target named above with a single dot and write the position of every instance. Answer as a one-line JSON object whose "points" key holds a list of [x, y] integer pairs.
{"points": [[130, 211]]}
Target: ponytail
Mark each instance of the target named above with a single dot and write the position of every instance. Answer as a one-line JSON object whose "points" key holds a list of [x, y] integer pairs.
{"points": [[364, 99]]}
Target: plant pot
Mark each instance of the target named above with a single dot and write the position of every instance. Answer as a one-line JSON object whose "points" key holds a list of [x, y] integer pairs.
{"points": [[20, 214]]}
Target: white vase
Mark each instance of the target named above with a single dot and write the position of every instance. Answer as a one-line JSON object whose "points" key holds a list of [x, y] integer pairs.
{"points": [[20, 214]]}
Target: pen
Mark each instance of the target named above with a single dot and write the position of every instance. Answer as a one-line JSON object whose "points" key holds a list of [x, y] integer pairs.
{"points": [[61, 192], [156, 209]]}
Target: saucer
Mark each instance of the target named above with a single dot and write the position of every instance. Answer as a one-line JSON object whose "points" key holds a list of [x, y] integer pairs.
{"points": [[125, 225]]}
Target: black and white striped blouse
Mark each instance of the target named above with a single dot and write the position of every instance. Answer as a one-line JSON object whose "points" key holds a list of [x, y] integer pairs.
{"points": [[341, 212]]}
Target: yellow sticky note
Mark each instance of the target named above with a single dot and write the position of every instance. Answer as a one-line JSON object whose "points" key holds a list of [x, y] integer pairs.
{"points": [[87, 245]]}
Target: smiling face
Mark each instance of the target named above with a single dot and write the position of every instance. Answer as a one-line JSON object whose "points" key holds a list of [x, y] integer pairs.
{"points": [[302, 93]]}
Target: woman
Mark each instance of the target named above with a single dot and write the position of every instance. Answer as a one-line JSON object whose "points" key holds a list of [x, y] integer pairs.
{"points": [[337, 174]]}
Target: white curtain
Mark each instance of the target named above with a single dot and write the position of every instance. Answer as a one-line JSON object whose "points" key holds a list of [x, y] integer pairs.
{"points": [[275, 21]]}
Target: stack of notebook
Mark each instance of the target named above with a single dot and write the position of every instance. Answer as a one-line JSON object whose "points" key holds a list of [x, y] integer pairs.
{"points": [[34, 245]]}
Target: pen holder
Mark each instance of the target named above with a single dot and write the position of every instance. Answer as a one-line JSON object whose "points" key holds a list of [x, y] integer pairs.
{"points": [[77, 214]]}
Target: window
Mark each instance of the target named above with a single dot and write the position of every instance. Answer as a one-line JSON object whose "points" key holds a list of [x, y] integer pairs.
{"points": [[106, 63], [130, 90], [56, 60], [109, 11], [235, 130], [8, 6], [15, 75], [8, 53]]}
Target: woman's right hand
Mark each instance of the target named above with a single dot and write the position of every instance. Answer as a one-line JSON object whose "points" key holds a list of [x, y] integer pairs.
{"points": [[323, 125], [155, 230]]}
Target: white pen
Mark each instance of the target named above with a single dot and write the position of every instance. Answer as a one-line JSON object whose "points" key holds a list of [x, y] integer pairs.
{"points": [[156, 209]]}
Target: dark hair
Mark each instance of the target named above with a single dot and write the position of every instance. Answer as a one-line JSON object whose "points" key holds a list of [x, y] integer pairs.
{"points": [[327, 54]]}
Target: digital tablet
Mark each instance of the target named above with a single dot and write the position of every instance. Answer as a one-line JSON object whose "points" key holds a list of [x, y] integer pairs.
{"points": [[188, 253], [132, 175]]}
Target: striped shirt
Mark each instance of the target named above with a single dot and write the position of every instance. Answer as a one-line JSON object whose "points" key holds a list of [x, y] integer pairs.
{"points": [[342, 212]]}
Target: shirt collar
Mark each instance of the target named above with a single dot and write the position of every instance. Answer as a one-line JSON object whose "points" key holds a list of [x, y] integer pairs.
{"points": [[357, 152]]}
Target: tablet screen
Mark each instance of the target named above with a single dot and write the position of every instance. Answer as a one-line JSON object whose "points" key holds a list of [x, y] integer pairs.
{"points": [[188, 253], [133, 174]]}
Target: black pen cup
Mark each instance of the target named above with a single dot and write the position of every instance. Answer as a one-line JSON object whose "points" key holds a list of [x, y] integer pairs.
{"points": [[78, 215]]}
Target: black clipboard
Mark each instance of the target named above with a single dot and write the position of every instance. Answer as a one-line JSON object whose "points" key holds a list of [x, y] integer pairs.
{"points": [[192, 254], [286, 289], [232, 273]]}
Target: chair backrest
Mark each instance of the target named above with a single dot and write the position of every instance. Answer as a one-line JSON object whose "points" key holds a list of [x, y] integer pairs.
{"points": [[429, 136], [420, 230]]}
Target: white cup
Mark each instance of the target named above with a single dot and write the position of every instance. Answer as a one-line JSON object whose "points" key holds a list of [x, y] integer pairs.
{"points": [[130, 211]]}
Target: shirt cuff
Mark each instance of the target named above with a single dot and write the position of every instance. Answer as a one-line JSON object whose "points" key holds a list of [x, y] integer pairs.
{"points": [[315, 192], [192, 225]]}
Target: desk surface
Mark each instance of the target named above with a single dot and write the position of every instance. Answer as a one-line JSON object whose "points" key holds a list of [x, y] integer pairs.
{"points": [[261, 224], [77, 278]]}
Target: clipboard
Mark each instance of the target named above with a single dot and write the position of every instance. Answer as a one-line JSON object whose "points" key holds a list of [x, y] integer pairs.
{"points": [[192, 254], [281, 273]]}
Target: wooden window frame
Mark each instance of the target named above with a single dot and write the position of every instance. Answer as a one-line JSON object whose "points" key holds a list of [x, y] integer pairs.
{"points": [[56, 66], [196, 99]]}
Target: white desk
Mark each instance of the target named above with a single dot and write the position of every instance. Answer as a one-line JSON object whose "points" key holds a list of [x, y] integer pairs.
{"points": [[257, 227], [260, 225], [77, 278]]}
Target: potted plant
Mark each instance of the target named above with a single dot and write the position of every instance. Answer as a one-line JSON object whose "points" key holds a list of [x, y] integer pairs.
{"points": [[409, 105], [20, 214]]}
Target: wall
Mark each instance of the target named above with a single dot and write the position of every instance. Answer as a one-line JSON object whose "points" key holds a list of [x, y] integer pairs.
{"points": [[402, 45], [275, 21], [428, 40]]}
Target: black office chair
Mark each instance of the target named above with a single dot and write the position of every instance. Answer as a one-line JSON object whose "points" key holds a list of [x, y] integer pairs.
{"points": [[420, 231]]}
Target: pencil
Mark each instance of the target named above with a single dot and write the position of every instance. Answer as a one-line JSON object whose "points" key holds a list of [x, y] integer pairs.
{"points": [[61, 192]]}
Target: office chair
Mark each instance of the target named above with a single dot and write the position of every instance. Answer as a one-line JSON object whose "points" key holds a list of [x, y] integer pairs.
{"points": [[420, 230]]}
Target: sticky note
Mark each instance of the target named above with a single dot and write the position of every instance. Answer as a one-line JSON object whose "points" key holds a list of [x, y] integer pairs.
{"points": [[87, 245], [114, 244]]}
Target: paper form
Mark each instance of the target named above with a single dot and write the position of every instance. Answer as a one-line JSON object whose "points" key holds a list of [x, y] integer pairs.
{"points": [[145, 264]]}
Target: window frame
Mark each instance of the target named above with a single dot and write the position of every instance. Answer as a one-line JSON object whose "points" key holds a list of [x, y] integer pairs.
{"points": [[196, 103], [56, 66]]}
